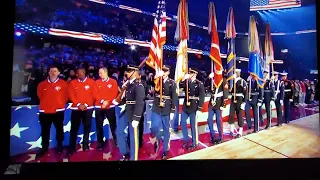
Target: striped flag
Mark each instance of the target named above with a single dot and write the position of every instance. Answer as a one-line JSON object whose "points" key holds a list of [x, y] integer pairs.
{"points": [[257, 5], [74, 34], [182, 35], [268, 48], [158, 40], [215, 48], [231, 54]]}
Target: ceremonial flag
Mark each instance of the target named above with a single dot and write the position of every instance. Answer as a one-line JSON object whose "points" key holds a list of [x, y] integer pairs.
{"points": [[268, 48], [231, 54], [254, 65], [155, 59], [182, 35], [256, 5], [215, 48]]}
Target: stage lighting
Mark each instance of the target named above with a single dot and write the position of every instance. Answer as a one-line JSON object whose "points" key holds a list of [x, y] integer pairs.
{"points": [[284, 50], [132, 47], [18, 34]]}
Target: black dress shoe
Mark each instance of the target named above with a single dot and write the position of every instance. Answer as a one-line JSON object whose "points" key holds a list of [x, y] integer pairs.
{"points": [[41, 153], [255, 131], [184, 145], [218, 141], [59, 148], [192, 147], [287, 122], [267, 127], [213, 141], [176, 130], [85, 147], [238, 136], [70, 151], [156, 146], [164, 155], [100, 146], [124, 157]]}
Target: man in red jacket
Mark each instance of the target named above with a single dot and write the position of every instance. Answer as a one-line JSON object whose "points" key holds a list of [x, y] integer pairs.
{"points": [[81, 93], [107, 91], [53, 96]]}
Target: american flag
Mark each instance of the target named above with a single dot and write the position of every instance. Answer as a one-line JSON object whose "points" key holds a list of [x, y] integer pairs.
{"points": [[158, 40], [74, 34], [256, 5]]}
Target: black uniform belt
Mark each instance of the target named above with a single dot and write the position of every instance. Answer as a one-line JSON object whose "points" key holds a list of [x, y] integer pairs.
{"points": [[130, 102], [194, 97], [163, 97]]}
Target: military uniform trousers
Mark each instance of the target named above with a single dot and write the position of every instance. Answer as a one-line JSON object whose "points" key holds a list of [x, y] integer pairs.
{"points": [[176, 117], [217, 113], [287, 109], [46, 121], [236, 107], [254, 105], [194, 127], [266, 102], [279, 111], [159, 121], [77, 117], [125, 130]]}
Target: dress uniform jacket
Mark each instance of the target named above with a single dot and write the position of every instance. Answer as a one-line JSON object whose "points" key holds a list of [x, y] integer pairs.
{"points": [[169, 97], [255, 90], [134, 97], [196, 96], [218, 97], [241, 90], [288, 89]]}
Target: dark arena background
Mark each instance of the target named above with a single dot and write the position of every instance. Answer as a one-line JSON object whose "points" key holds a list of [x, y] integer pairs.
{"points": [[116, 33]]}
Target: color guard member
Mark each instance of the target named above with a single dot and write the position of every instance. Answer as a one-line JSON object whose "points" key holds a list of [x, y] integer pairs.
{"points": [[278, 96], [239, 104], [267, 97], [128, 123], [288, 96], [217, 102], [163, 112], [191, 107]]}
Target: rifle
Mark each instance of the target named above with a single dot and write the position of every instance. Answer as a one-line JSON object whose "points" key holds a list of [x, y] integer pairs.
{"points": [[124, 88]]}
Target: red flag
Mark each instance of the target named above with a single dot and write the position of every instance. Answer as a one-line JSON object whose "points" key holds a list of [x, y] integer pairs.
{"points": [[215, 48]]}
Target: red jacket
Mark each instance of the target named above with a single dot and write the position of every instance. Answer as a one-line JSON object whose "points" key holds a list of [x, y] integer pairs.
{"points": [[82, 92], [106, 91], [303, 87], [53, 96]]}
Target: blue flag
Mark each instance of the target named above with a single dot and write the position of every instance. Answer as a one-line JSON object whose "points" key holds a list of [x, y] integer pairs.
{"points": [[255, 68]]}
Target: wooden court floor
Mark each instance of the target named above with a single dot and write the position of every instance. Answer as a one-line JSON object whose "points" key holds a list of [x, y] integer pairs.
{"points": [[299, 139]]}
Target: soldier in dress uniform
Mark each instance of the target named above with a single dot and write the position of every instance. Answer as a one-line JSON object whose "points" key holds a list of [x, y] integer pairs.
{"points": [[163, 111], [267, 97], [192, 104], [288, 96], [217, 102], [278, 96], [255, 99], [128, 123], [239, 104]]}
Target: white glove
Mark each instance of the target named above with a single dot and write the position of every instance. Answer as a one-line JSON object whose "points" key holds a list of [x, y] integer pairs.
{"points": [[211, 75], [272, 77], [234, 76], [115, 102], [222, 108], [249, 78], [291, 100], [124, 84], [171, 116], [281, 102], [159, 74], [135, 124], [259, 104], [242, 106], [186, 76]]}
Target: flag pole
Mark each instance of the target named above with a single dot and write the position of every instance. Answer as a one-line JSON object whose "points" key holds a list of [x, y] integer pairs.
{"points": [[161, 104], [234, 79]]}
